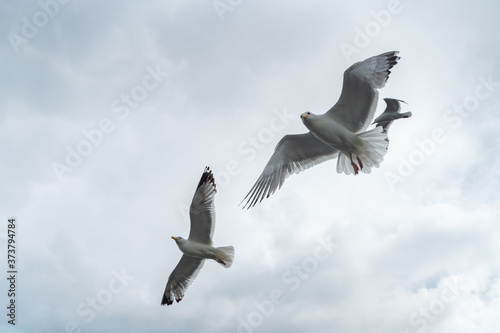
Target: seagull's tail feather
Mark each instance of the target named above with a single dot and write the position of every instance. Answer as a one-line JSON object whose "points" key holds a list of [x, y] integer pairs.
{"points": [[367, 155], [224, 255]]}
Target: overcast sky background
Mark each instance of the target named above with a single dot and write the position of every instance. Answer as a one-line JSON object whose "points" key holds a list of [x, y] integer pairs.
{"points": [[412, 247]]}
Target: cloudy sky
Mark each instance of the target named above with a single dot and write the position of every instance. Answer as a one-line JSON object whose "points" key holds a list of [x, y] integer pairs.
{"points": [[111, 110]]}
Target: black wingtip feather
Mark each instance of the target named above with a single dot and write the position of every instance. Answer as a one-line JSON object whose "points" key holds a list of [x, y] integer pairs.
{"points": [[207, 177], [166, 300]]}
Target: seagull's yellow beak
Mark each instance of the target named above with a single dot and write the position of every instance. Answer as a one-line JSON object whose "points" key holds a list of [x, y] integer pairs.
{"points": [[303, 116], [174, 238]]}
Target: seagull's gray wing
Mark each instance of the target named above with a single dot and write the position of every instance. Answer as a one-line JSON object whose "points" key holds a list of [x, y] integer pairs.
{"points": [[357, 103], [181, 277], [391, 113], [292, 154], [202, 210]]}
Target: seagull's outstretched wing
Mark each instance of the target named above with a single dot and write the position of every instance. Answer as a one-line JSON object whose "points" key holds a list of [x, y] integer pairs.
{"points": [[202, 210], [292, 154], [391, 113], [357, 103], [181, 277]]}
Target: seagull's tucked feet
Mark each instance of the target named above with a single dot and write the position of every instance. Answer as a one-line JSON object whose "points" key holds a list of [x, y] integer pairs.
{"points": [[368, 154], [354, 166], [220, 261], [359, 163]]}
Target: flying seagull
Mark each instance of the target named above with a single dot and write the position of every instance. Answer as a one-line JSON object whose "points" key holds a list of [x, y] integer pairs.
{"points": [[337, 133], [391, 113], [198, 246]]}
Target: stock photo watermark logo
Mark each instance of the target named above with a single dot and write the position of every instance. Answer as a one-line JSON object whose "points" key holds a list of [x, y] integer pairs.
{"points": [[12, 269], [291, 280], [449, 293], [121, 107], [453, 116], [88, 309], [248, 149], [372, 29], [31, 26], [223, 6]]}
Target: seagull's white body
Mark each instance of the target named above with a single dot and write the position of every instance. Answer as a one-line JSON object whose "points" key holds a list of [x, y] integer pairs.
{"points": [[340, 132], [331, 133], [204, 251], [198, 246], [195, 249], [362, 151]]}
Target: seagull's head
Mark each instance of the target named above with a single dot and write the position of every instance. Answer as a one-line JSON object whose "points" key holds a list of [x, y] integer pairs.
{"points": [[305, 115], [177, 239]]}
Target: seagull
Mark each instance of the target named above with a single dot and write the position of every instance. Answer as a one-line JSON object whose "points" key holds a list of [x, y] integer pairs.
{"points": [[337, 133], [198, 246], [391, 113]]}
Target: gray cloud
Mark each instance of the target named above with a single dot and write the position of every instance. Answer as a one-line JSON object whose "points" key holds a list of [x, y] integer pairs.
{"points": [[400, 247]]}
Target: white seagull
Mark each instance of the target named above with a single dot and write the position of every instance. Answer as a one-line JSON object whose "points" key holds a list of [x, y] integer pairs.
{"points": [[337, 133], [391, 113], [198, 246]]}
